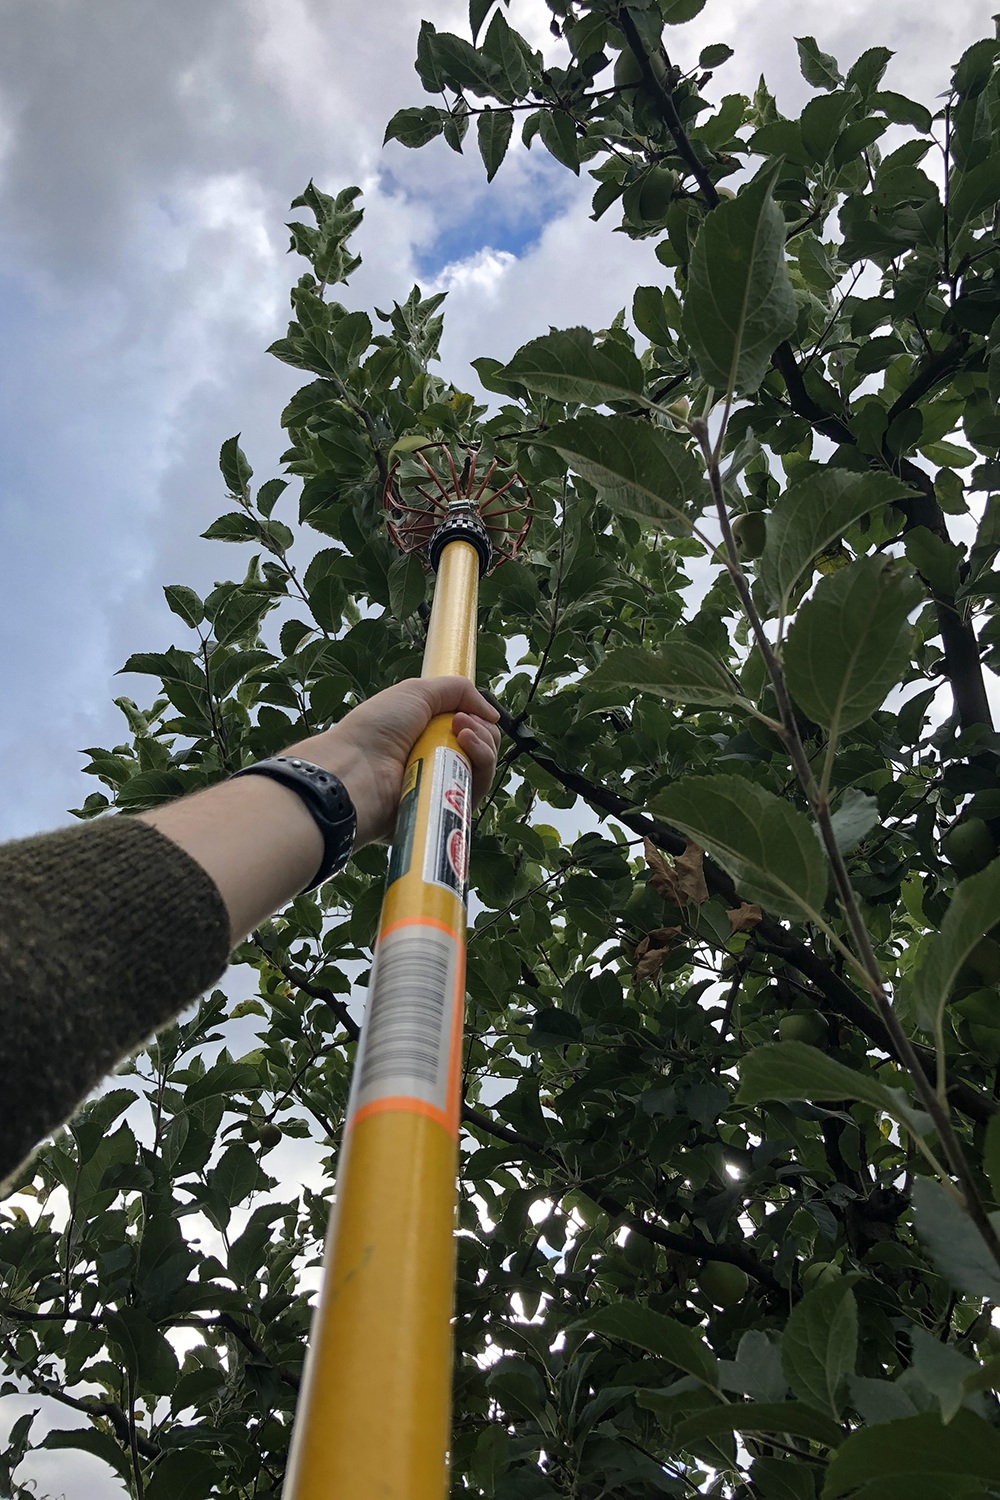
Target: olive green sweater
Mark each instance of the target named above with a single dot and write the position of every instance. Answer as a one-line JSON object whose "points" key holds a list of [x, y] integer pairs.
{"points": [[107, 930]]}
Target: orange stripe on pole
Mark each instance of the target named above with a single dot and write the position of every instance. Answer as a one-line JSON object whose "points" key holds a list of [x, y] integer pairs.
{"points": [[374, 1416]]}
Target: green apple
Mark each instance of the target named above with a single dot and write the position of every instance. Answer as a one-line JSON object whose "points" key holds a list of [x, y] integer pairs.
{"points": [[984, 961], [628, 73], [723, 1284], [656, 193], [803, 1026], [820, 1273], [982, 1008], [989, 1344], [268, 1135], [750, 534], [639, 1254], [591, 1213], [969, 847]]}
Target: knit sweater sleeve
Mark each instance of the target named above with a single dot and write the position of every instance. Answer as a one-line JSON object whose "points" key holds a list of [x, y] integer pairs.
{"points": [[107, 930]]}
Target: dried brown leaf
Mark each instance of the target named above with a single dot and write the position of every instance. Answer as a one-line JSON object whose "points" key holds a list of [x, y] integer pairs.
{"points": [[689, 868], [652, 950], [744, 916], [661, 875]]}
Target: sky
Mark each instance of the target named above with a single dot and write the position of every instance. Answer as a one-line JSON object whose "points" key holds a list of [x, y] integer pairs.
{"points": [[148, 155]]}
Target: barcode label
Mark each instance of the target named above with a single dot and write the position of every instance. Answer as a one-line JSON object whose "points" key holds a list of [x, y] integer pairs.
{"points": [[413, 1009]]}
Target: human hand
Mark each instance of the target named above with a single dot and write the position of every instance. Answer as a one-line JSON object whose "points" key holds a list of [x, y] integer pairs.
{"points": [[370, 746]]}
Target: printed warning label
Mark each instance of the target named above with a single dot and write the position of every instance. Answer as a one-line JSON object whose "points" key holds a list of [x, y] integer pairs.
{"points": [[406, 823], [446, 854]]}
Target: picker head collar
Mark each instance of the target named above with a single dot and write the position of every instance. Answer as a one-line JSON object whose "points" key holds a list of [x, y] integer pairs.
{"points": [[461, 524]]}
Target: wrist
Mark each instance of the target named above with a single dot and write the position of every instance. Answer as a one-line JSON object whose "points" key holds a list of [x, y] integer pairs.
{"points": [[335, 753]]}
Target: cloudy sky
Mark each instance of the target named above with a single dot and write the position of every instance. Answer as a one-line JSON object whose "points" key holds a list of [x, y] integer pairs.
{"points": [[148, 155]]}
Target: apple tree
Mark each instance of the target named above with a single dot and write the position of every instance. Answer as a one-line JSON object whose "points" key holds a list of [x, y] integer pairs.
{"points": [[731, 1163]]}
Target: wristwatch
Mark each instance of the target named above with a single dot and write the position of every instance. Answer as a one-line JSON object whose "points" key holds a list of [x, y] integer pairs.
{"points": [[326, 798]]}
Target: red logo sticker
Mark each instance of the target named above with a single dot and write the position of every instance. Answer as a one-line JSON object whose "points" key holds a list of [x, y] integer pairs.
{"points": [[458, 853]]}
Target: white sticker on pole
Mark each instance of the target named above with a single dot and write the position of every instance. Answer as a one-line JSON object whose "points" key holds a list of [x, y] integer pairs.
{"points": [[408, 1040], [446, 853]]}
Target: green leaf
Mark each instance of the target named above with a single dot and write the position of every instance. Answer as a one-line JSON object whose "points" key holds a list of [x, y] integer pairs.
{"points": [[151, 789], [101, 1444], [678, 12], [638, 470], [495, 127], [766, 845], [902, 111], [818, 68], [235, 470], [567, 365], [740, 304], [185, 603], [558, 136], [851, 642], [91, 1124], [415, 127], [795, 1418], [975, 193], [492, 1457], [857, 815], [677, 671], [879, 1400], [508, 49], [957, 1248], [975, 67], [942, 1370], [649, 313], [148, 1354], [478, 11], [866, 74], [407, 585], [234, 1177], [554, 1028], [715, 55], [661, 1335], [821, 123], [756, 1371], [971, 913], [794, 1070], [184, 1474], [921, 1447], [820, 1345], [236, 667], [463, 68], [811, 516], [195, 1387], [353, 333], [234, 526], [268, 494]]}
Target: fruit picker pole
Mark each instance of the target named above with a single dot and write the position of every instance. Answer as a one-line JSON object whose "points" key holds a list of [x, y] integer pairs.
{"points": [[373, 1421]]}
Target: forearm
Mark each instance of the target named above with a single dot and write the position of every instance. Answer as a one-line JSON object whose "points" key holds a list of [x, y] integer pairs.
{"points": [[256, 839]]}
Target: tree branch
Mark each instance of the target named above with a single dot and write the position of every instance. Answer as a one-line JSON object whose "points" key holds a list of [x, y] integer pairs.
{"points": [[694, 1245], [664, 98], [768, 933], [961, 648]]}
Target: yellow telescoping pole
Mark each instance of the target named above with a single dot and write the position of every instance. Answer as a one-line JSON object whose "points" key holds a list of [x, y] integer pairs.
{"points": [[374, 1416]]}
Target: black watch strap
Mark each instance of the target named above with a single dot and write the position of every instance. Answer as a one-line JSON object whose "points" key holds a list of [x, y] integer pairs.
{"points": [[326, 798]]}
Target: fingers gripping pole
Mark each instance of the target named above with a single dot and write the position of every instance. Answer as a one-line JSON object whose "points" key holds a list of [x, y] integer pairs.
{"points": [[374, 1417]]}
